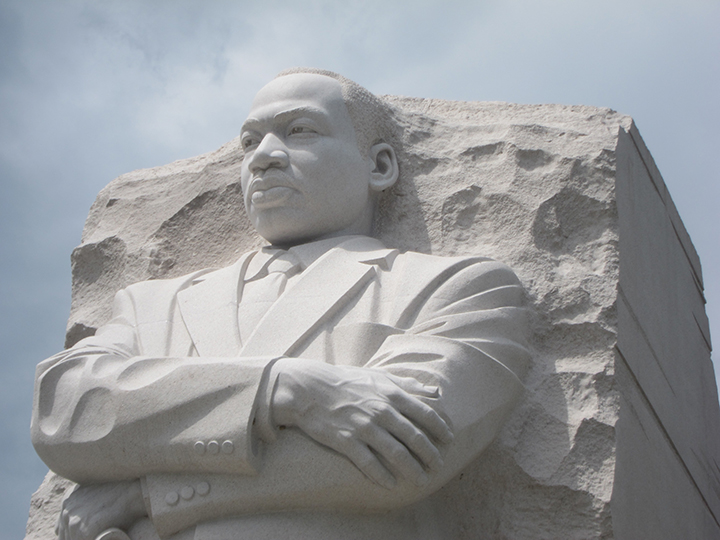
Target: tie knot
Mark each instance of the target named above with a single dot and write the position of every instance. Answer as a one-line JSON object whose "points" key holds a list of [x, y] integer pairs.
{"points": [[285, 262], [272, 260]]}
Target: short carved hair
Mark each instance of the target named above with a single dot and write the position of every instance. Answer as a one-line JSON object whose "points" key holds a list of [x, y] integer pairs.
{"points": [[372, 118]]}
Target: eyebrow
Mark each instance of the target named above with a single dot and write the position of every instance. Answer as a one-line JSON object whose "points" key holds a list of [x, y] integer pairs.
{"points": [[290, 113]]}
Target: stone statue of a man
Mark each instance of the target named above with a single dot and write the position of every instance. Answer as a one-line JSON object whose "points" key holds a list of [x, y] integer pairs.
{"points": [[319, 388]]}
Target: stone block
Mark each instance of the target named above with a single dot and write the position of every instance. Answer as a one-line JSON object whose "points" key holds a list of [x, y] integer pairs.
{"points": [[618, 433]]}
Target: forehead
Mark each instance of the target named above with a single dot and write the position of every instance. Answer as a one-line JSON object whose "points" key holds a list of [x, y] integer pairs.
{"points": [[300, 90]]}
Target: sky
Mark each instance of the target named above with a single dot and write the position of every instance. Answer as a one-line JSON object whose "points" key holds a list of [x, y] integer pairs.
{"points": [[93, 89]]}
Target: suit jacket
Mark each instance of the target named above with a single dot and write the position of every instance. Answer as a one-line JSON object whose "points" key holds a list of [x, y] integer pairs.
{"points": [[166, 391]]}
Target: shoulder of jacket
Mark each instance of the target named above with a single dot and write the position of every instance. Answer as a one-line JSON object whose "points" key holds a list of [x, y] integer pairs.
{"points": [[414, 259], [177, 283], [174, 285], [465, 265]]}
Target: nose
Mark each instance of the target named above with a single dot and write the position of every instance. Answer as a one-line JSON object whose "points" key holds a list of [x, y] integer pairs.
{"points": [[271, 152]]}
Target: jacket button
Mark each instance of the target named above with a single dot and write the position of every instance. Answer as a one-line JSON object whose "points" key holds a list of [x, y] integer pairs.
{"points": [[172, 498], [187, 493], [199, 447], [213, 447], [228, 447], [203, 488]]}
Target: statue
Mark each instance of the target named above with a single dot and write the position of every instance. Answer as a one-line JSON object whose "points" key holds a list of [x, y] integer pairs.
{"points": [[321, 387]]}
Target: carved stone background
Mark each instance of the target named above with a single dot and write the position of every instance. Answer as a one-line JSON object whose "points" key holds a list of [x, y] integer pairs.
{"points": [[534, 186]]}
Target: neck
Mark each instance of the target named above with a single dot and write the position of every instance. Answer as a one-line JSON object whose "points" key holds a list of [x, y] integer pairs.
{"points": [[361, 227]]}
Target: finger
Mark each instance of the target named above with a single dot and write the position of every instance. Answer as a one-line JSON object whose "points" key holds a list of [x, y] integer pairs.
{"points": [[60, 526], [396, 455], [366, 461], [75, 528], [413, 386], [424, 416], [413, 438]]}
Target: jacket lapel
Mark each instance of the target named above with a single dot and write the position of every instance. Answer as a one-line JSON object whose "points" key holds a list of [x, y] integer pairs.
{"points": [[320, 292], [209, 310]]}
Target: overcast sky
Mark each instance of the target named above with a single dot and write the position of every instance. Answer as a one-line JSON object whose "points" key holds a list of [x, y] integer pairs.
{"points": [[92, 89]]}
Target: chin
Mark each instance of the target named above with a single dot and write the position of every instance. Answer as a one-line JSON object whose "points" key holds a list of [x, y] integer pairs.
{"points": [[291, 228], [286, 236], [277, 226]]}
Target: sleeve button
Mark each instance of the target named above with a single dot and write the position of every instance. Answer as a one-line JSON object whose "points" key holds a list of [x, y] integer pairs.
{"points": [[203, 488], [172, 498], [228, 447], [187, 493], [213, 447], [199, 447]]}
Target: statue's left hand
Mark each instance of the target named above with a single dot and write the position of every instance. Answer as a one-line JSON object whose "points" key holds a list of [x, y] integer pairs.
{"points": [[377, 420], [90, 510]]}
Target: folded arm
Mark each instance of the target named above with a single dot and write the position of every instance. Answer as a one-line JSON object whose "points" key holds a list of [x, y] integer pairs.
{"points": [[463, 347], [103, 413]]}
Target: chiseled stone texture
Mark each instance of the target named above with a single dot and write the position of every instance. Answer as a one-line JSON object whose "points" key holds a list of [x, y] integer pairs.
{"points": [[618, 434]]}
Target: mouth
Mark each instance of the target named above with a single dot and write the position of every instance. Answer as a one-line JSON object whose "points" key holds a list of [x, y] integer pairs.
{"points": [[270, 190], [267, 198]]}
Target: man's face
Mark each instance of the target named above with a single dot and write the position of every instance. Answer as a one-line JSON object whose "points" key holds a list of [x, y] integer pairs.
{"points": [[303, 176]]}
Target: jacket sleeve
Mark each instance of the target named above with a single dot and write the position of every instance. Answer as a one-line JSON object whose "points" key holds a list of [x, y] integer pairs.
{"points": [[466, 336], [105, 411]]}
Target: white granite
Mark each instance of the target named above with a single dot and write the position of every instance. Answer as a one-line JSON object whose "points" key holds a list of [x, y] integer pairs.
{"points": [[616, 434], [307, 387], [668, 436]]}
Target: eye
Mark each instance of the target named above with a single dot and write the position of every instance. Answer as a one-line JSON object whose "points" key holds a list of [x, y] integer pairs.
{"points": [[249, 141], [301, 130]]}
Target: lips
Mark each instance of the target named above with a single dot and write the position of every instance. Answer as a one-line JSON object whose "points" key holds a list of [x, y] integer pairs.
{"points": [[269, 190], [267, 198]]}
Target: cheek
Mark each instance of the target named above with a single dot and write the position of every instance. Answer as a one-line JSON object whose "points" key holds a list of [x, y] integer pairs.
{"points": [[331, 154], [244, 181], [336, 170], [244, 176]]}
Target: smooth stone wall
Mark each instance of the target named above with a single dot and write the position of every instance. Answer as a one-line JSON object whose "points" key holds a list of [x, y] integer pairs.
{"points": [[668, 433]]}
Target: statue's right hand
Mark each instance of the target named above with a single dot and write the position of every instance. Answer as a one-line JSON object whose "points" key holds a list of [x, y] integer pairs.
{"points": [[92, 509], [375, 419], [113, 534]]}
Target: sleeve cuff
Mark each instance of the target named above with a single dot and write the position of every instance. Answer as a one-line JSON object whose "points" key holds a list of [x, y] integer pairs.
{"points": [[146, 496], [262, 423]]}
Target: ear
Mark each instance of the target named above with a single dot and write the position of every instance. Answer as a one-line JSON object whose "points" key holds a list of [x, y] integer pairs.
{"points": [[385, 172]]}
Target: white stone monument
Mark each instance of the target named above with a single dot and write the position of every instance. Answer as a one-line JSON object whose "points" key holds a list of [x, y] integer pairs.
{"points": [[172, 410]]}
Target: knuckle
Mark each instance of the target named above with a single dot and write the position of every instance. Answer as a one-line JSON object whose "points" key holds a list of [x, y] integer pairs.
{"points": [[398, 453], [431, 416], [366, 429], [344, 438], [419, 439], [364, 461], [426, 410], [361, 421], [384, 411]]}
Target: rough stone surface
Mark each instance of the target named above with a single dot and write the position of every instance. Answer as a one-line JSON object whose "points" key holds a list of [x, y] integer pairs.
{"points": [[44, 506], [618, 433]]}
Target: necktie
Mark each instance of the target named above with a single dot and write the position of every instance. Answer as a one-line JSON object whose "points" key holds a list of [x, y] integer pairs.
{"points": [[263, 289]]}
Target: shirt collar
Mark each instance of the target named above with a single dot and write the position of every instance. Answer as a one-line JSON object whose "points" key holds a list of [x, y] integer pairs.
{"points": [[310, 252]]}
